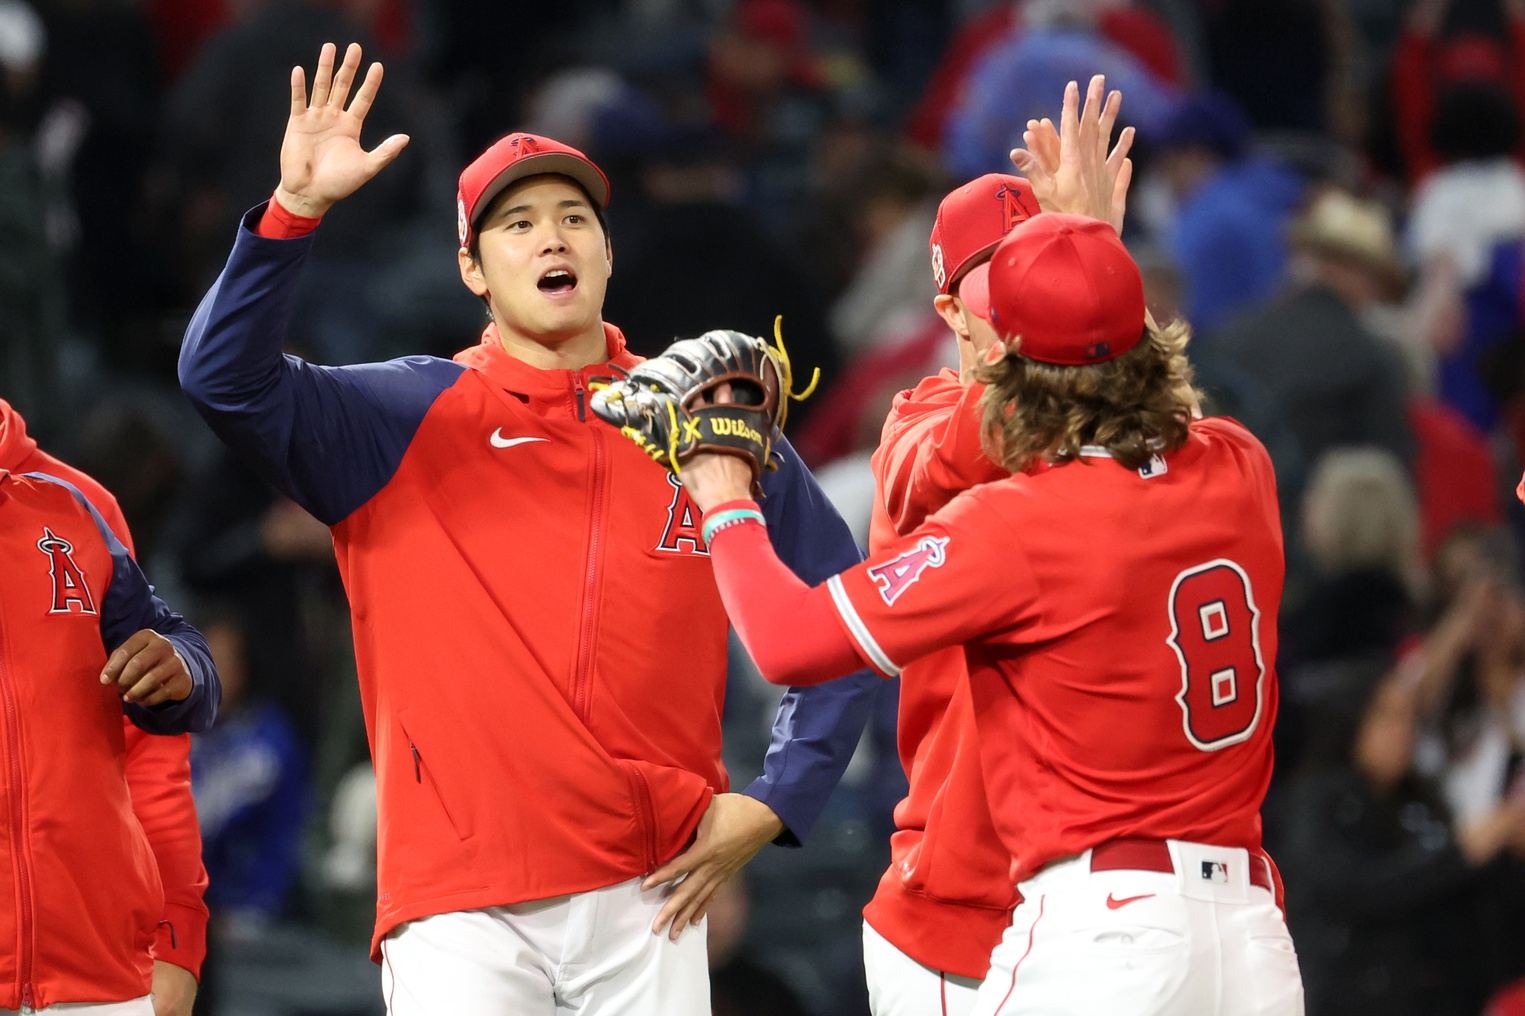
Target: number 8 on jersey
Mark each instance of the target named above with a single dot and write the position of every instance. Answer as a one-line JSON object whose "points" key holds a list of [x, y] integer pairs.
{"points": [[1215, 632]]}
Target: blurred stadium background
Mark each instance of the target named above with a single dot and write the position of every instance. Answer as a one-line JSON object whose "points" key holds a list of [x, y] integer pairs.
{"points": [[1330, 190]]}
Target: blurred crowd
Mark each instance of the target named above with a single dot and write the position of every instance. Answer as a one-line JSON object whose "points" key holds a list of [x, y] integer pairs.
{"points": [[1332, 192]]}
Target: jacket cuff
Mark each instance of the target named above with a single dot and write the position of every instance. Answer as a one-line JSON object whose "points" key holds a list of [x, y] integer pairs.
{"points": [[796, 824], [181, 938]]}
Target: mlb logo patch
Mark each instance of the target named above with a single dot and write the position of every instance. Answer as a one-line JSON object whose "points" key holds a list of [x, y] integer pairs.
{"points": [[1215, 871], [1154, 467]]}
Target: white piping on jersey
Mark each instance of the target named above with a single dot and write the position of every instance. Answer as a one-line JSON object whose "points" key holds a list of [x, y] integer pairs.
{"points": [[1094, 451], [860, 632]]}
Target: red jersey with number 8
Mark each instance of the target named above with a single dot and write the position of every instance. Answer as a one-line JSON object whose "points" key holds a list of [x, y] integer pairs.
{"points": [[1120, 630]]}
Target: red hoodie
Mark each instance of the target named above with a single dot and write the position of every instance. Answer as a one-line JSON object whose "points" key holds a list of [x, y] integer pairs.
{"points": [[158, 767], [948, 894]]}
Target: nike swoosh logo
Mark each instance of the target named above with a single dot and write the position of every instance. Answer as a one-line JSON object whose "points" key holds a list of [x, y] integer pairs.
{"points": [[1113, 902], [497, 440]]}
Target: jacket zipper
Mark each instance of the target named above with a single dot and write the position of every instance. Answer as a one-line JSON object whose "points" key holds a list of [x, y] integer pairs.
{"points": [[18, 831], [582, 678]]}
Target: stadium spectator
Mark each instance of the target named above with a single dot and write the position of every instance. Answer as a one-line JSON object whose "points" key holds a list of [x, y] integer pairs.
{"points": [[1022, 78], [1336, 382], [1231, 208], [1431, 65], [1382, 897], [1135, 27], [1452, 466]]}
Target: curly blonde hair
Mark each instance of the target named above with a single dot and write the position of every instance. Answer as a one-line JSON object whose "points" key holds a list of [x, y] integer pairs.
{"points": [[1135, 406]]}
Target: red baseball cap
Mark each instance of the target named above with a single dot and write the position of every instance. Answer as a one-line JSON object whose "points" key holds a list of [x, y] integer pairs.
{"points": [[514, 158], [1065, 285], [973, 219]]}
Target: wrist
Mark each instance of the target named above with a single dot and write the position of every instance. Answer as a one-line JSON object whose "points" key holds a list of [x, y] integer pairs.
{"points": [[300, 205], [735, 512]]}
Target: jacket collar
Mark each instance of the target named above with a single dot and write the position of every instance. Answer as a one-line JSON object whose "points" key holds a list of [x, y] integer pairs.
{"points": [[16, 445], [489, 357]]}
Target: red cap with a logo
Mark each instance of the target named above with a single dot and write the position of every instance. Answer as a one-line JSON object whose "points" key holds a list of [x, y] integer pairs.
{"points": [[514, 158], [1065, 285], [973, 219]]}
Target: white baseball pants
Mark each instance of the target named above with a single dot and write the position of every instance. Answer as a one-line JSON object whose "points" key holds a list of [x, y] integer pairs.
{"points": [[588, 954], [899, 986], [1197, 941], [135, 1007]]}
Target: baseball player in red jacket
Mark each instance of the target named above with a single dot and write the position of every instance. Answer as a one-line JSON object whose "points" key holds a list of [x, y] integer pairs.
{"points": [[540, 644], [1117, 616], [158, 771], [83, 908]]}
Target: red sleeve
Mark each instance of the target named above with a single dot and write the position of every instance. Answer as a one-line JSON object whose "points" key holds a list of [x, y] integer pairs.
{"points": [[961, 576], [159, 778], [279, 224], [789, 629], [926, 460], [1414, 102]]}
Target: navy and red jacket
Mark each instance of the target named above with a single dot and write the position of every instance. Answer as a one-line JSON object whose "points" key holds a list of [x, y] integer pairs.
{"points": [[158, 767], [540, 643], [84, 901]]}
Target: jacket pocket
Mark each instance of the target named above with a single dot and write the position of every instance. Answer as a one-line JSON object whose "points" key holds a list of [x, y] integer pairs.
{"points": [[645, 813], [424, 776]]}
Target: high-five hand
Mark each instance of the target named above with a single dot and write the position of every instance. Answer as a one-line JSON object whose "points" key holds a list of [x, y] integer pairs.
{"points": [[321, 157], [1070, 169]]}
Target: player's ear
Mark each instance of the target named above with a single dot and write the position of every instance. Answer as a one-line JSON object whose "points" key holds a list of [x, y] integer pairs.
{"points": [[471, 272], [609, 252], [952, 311]]}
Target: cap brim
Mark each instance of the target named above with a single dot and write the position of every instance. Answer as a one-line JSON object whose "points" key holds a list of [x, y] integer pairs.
{"points": [[558, 163], [974, 291]]}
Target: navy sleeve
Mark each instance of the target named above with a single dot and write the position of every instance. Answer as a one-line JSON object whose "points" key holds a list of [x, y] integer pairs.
{"points": [[130, 605], [327, 437], [816, 729]]}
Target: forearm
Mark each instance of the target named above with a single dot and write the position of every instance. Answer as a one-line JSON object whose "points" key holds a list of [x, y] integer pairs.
{"points": [[789, 629]]}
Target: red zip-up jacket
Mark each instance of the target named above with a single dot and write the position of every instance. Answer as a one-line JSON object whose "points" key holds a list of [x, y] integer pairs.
{"points": [[158, 767], [948, 895], [84, 900], [540, 644]]}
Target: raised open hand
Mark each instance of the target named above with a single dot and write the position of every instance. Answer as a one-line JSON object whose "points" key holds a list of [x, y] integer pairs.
{"points": [[1070, 169], [321, 157]]}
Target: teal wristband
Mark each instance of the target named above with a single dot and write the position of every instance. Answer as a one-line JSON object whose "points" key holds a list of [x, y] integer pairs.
{"points": [[730, 517]]}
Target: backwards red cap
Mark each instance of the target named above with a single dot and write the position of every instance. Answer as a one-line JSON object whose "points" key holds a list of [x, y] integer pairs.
{"points": [[973, 219], [512, 159], [1066, 286]]}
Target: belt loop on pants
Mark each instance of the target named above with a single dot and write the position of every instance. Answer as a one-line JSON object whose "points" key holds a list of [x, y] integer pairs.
{"points": [[1154, 855]]}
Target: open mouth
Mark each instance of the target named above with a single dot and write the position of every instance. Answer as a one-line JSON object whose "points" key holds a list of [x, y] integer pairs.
{"points": [[557, 281]]}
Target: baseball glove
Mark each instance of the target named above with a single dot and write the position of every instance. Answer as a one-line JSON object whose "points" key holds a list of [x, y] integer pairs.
{"points": [[667, 404]]}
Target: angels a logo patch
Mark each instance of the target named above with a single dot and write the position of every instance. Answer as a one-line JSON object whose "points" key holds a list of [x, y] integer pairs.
{"points": [[460, 218], [939, 269], [70, 593], [895, 576], [682, 534]]}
